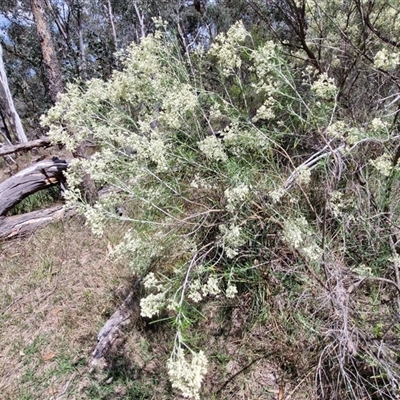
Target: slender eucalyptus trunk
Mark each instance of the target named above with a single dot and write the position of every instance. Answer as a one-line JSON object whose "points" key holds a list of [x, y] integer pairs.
{"points": [[8, 104]]}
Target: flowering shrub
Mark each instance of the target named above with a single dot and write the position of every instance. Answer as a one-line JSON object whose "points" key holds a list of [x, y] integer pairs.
{"points": [[208, 176]]}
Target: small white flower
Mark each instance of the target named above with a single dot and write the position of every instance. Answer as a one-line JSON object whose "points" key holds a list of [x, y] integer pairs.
{"points": [[211, 287], [324, 87], [231, 291], [377, 125], [187, 376], [152, 304], [195, 296], [231, 239], [150, 281], [303, 175], [194, 291], [212, 148], [277, 194], [235, 196], [383, 164], [293, 234], [386, 59]]}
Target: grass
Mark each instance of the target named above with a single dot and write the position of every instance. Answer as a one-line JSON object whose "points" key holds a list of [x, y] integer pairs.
{"points": [[282, 331], [58, 287]]}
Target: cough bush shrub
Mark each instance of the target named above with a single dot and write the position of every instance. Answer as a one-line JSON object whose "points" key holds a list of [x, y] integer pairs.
{"points": [[233, 165]]}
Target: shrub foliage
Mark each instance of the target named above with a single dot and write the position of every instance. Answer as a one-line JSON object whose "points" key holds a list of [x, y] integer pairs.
{"points": [[240, 174]]}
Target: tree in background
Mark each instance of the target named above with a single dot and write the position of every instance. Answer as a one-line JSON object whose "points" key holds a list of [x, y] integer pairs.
{"points": [[7, 104], [50, 59]]}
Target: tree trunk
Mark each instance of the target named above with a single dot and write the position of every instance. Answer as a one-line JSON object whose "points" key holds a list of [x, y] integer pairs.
{"points": [[82, 51], [53, 70], [140, 17], [8, 103], [114, 31]]}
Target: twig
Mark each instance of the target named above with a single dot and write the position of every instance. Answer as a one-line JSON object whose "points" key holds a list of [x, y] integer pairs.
{"points": [[241, 371], [49, 294], [10, 305], [66, 386]]}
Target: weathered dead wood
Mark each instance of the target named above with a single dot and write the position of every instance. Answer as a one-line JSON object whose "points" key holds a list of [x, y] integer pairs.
{"points": [[30, 180], [42, 142], [125, 315], [21, 225]]}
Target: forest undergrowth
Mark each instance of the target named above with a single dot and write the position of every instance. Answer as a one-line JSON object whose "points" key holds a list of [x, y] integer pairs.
{"points": [[260, 215]]}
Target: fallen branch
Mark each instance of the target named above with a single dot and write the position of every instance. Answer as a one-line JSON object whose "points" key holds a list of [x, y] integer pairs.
{"points": [[42, 142], [112, 329], [30, 180], [20, 225]]}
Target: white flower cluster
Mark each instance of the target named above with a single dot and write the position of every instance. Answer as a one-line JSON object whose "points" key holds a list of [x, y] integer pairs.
{"points": [[277, 194], [262, 59], [231, 291], [293, 231], [212, 148], [337, 130], [201, 183], [324, 87], [378, 126], [383, 164], [197, 291], [187, 376], [235, 196], [226, 48], [336, 203], [363, 271], [152, 304], [138, 250], [297, 234], [151, 282], [157, 152], [95, 219], [266, 111], [303, 175], [386, 59], [341, 130], [231, 239], [266, 64], [177, 103]]}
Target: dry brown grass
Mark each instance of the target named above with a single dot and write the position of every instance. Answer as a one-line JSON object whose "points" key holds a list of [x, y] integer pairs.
{"points": [[58, 287], [56, 292]]}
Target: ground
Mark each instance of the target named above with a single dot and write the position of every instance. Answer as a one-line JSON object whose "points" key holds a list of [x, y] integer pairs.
{"points": [[57, 289]]}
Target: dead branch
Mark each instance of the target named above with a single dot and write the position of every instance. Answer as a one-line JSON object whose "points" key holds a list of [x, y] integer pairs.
{"points": [[30, 180], [112, 329], [42, 142], [20, 225]]}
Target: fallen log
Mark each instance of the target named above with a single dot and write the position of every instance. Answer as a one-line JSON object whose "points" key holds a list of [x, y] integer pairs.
{"points": [[30, 180], [42, 142], [128, 311], [21, 225]]}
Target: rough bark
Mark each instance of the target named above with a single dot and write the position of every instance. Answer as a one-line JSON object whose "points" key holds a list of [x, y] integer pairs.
{"points": [[125, 315], [42, 142], [24, 224], [8, 103], [50, 60], [30, 180]]}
